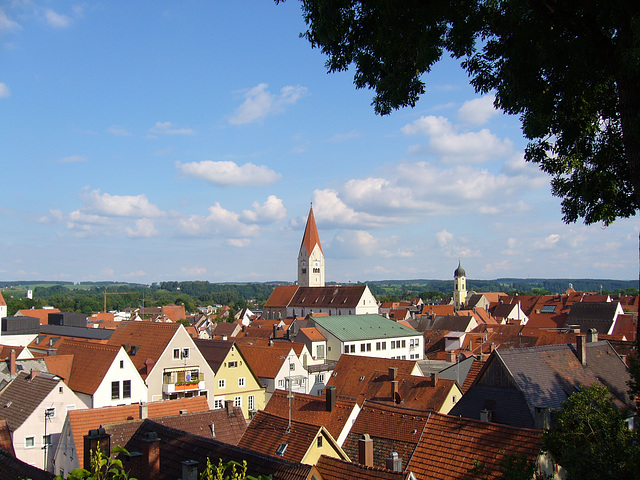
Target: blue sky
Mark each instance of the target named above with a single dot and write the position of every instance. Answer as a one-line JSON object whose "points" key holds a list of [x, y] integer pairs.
{"points": [[157, 140]]}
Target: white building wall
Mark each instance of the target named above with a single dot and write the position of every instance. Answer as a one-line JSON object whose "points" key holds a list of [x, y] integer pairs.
{"points": [[139, 392]]}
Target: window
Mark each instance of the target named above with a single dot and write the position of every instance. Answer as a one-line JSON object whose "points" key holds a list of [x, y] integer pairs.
{"points": [[184, 353], [50, 412], [404, 344], [237, 401], [121, 363], [320, 351], [115, 390], [320, 378], [126, 389], [292, 366], [218, 403], [378, 347], [368, 347], [280, 383], [29, 442], [319, 441], [251, 402], [222, 383], [60, 389], [363, 347], [393, 344], [353, 349], [176, 354], [46, 440], [241, 382], [233, 364]]}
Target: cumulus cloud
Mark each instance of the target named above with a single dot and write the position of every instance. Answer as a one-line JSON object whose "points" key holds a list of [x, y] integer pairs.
{"points": [[444, 238], [218, 222], [4, 90], [360, 244], [194, 271], [229, 173], [144, 228], [452, 146], [56, 20], [547, 243], [329, 209], [477, 111], [259, 103], [271, 211], [108, 205], [168, 128]]}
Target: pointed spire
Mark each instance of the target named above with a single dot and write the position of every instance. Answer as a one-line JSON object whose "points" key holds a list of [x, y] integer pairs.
{"points": [[311, 237]]}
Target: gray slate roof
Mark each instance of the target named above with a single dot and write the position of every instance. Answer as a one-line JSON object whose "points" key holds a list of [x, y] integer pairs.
{"points": [[348, 328], [78, 332], [23, 395], [589, 315]]}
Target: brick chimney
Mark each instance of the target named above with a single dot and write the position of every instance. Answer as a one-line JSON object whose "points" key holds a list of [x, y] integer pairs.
{"points": [[592, 335], [434, 379], [12, 362], [148, 363], [581, 348], [365, 450], [96, 438], [331, 396], [228, 405], [150, 456]]}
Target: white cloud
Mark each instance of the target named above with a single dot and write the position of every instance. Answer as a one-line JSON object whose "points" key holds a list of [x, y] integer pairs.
{"points": [[119, 205], [73, 159], [119, 131], [259, 103], [56, 20], [239, 242], [444, 238], [360, 244], [167, 128], [144, 228], [548, 242], [218, 222], [272, 210], [328, 208], [477, 111], [4, 90], [6, 24], [194, 271], [452, 146], [229, 173]]}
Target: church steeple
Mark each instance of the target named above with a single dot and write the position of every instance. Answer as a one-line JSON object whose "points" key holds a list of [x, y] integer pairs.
{"points": [[459, 287], [311, 258]]}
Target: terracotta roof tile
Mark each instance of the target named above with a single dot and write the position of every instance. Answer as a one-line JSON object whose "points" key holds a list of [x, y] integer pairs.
{"points": [[6, 443], [335, 469], [450, 445], [267, 432], [264, 361], [281, 296], [312, 409], [152, 338], [41, 314], [81, 421]]}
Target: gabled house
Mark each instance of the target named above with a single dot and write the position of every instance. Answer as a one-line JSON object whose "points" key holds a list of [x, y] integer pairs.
{"points": [[70, 452], [276, 368], [292, 440], [166, 358], [100, 374], [235, 381], [368, 335], [352, 373], [505, 312], [335, 414], [35, 406], [454, 448], [522, 386], [600, 316]]}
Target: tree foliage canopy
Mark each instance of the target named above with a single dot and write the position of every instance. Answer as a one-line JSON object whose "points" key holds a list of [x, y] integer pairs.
{"points": [[569, 68]]}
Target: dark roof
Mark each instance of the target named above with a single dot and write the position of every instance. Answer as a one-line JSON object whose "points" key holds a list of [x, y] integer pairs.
{"points": [[345, 296], [6, 443], [177, 446], [589, 315], [214, 351], [335, 469], [77, 332], [23, 395], [12, 468]]}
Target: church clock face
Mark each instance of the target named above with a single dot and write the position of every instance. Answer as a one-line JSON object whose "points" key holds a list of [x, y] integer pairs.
{"points": [[304, 264], [316, 264]]}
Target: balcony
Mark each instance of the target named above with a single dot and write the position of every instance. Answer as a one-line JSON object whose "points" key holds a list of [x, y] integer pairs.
{"points": [[177, 381]]}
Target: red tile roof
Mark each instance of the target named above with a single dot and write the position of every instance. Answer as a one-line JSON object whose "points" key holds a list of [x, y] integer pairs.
{"points": [[311, 237], [40, 313], [312, 409], [81, 421], [264, 361], [98, 355], [450, 445], [174, 312], [5, 438], [335, 469], [152, 338], [281, 296], [2, 302]]}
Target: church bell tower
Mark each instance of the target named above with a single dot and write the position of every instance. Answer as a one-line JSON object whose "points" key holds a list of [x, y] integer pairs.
{"points": [[311, 258]]}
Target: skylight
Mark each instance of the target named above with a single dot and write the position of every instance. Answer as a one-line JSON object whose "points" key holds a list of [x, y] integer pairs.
{"points": [[548, 309], [281, 449]]}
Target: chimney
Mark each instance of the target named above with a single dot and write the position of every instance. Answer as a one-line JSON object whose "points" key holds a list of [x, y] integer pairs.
{"points": [[150, 456], [451, 356], [592, 335], [486, 415], [581, 348], [434, 379], [148, 364], [189, 470], [144, 410], [394, 390], [12, 362], [365, 451], [542, 419], [331, 397], [275, 331], [228, 405], [393, 373], [394, 462], [97, 438]]}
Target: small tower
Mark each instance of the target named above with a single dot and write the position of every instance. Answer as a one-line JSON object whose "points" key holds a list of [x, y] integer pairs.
{"points": [[459, 287], [311, 258]]}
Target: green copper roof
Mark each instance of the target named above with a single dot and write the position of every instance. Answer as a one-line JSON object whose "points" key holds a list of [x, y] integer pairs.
{"points": [[348, 328]]}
